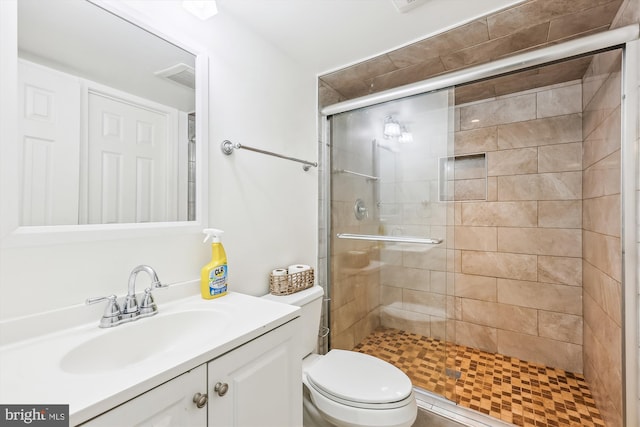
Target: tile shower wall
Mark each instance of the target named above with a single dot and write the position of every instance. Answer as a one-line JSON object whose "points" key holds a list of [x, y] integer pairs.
{"points": [[518, 280], [528, 25], [602, 259], [354, 268]]}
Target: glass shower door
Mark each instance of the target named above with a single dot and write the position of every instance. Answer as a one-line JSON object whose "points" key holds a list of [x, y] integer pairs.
{"points": [[391, 246]]}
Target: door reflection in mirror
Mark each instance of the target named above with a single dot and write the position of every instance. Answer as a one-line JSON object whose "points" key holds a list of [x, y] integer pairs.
{"points": [[107, 119]]}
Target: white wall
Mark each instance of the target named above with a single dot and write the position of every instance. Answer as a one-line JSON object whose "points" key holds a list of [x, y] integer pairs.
{"points": [[267, 206]]}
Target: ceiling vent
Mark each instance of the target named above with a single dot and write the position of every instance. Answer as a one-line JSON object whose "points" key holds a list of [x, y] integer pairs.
{"points": [[405, 6], [179, 73]]}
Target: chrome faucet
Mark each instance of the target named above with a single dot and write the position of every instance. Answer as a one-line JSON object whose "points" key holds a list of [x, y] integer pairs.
{"points": [[130, 307], [114, 315]]}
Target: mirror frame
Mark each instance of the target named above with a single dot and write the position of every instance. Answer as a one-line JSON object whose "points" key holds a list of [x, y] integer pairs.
{"points": [[14, 235]]}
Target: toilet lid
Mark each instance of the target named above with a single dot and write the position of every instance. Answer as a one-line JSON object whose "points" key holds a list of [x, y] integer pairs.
{"points": [[359, 378]]}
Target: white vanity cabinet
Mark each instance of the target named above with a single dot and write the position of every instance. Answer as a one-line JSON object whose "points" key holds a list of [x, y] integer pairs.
{"points": [[168, 405], [257, 384]]}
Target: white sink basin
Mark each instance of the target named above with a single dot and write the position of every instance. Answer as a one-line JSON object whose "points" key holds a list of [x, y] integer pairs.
{"points": [[94, 369], [124, 345]]}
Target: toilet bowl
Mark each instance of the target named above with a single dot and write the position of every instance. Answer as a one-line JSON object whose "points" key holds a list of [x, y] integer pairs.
{"points": [[346, 388]]}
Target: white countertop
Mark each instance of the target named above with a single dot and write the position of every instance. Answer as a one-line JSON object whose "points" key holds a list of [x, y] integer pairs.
{"points": [[31, 371]]}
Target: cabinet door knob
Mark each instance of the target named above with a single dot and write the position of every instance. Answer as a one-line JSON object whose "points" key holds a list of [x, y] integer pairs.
{"points": [[221, 388], [200, 400]]}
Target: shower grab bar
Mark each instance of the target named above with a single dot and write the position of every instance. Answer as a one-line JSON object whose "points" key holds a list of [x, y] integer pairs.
{"points": [[227, 148], [397, 239], [371, 177]]}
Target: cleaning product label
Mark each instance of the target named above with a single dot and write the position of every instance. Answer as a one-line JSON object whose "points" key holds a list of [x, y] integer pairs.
{"points": [[218, 280]]}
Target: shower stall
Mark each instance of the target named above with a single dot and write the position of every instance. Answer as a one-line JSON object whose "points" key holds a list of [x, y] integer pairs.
{"points": [[474, 234]]}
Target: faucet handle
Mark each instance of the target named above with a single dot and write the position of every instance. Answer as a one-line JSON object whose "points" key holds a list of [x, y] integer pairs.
{"points": [[111, 316], [148, 306]]}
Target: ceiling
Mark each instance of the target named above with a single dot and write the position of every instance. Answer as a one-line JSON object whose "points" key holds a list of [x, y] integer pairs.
{"points": [[325, 35]]}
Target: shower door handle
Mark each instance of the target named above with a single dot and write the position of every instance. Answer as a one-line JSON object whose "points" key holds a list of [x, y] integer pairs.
{"points": [[396, 239]]}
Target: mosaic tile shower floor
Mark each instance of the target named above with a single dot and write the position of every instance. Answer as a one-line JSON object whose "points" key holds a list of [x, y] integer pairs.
{"points": [[506, 388]]}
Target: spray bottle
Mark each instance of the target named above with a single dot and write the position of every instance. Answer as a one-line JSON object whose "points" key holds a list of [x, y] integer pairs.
{"points": [[213, 276]]}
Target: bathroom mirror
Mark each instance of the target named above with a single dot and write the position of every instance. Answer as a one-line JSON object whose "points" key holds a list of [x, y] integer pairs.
{"points": [[107, 119]]}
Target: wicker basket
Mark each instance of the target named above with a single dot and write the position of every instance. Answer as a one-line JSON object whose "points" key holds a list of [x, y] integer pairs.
{"points": [[287, 284]]}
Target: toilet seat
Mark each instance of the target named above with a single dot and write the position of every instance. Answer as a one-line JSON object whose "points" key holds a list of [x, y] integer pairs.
{"points": [[359, 380]]}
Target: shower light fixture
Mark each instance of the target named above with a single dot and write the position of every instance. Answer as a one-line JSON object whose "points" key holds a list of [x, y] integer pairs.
{"points": [[203, 9], [405, 135], [391, 127]]}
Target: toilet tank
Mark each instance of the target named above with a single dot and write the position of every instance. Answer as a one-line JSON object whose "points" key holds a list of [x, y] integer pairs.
{"points": [[310, 302]]}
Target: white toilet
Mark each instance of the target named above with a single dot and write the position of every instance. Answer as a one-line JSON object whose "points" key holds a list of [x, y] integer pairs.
{"points": [[346, 388]]}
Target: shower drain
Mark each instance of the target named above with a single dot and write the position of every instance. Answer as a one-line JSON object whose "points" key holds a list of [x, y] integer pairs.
{"points": [[452, 373]]}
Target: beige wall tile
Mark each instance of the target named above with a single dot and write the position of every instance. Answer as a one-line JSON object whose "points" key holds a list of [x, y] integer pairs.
{"points": [[603, 252], [366, 326], [350, 81], [547, 186], [603, 178], [603, 103], [603, 141], [629, 14], [602, 215], [470, 189], [492, 189], [476, 287], [560, 270], [476, 336], [512, 162], [605, 331], [506, 110], [559, 101], [476, 238], [390, 295], [417, 323], [436, 259], [540, 241], [495, 264], [507, 214], [457, 219], [390, 256], [583, 21], [549, 352], [413, 278], [560, 326], [460, 37], [522, 38], [424, 302], [543, 296], [534, 12], [598, 71], [470, 167], [475, 92], [409, 74], [343, 340], [604, 377], [500, 316], [560, 157], [604, 291], [560, 213], [439, 282], [552, 130]]}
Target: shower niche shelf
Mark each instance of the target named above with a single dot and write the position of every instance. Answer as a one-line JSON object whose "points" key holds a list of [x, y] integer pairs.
{"points": [[462, 178]]}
